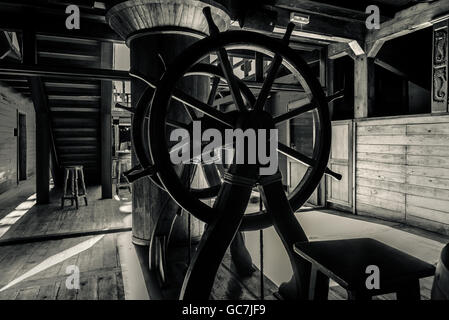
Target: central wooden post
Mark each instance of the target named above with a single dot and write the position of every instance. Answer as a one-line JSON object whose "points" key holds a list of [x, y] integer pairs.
{"points": [[364, 86], [154, 42]]}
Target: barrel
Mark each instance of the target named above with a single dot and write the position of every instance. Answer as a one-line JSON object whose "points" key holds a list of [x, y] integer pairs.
{"points": [[440, 288]]}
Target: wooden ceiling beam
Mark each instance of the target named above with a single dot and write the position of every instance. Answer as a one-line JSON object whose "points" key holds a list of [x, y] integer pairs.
{"points": [[391, 68], [415, 18], [64, 72], [338, 50], [321, 28], [323, 9]]}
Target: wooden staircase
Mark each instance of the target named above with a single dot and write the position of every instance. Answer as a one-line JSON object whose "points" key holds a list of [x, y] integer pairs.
{"points": [[74, 106]]}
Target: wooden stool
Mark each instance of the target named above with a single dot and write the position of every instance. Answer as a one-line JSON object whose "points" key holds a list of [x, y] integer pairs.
{"points": [[73, 171], [124, 157], [346, 262]]}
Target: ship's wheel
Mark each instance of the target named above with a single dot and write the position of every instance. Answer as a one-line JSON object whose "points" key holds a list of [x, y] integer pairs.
{"points": [[152, 126]]}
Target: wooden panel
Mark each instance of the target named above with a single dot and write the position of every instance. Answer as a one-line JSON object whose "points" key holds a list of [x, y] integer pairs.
{"points": [[381, 130], [428, 172], [423, 202], [428, 150], [381, 157], [372, 165], [402, 170], [340, 134], [340, 189], [427, 128], [381, 175], [431, 161], [381, 194], [429, 182], [440, 67], [340, 193], [428, 214]]}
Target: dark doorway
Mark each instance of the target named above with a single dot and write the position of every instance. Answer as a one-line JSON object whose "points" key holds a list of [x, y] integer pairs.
{"points": [[22, 148]]}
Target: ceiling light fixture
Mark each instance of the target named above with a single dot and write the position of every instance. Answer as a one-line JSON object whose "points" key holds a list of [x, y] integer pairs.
{"points": [[299, 18]]}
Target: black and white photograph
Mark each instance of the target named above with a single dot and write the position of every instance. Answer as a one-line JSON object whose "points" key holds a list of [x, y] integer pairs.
{"points": [[230, 156]]}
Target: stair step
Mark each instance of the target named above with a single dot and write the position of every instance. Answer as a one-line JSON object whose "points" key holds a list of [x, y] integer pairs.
{"points": [[74, 97], [75, 130], [84, 90], [61, 121], [75, 149], [73, 109], [89, 85]]}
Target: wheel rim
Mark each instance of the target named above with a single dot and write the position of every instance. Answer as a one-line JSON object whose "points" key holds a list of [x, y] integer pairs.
{"points": [[159, 149]]}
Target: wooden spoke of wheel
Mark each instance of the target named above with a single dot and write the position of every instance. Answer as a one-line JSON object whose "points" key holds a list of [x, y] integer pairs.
{"points": [[190, 101], [172, 123], [272, 72], [190, 112], [295, 112], [302, 158], [224, 63], [202, 107], [213, 91]]}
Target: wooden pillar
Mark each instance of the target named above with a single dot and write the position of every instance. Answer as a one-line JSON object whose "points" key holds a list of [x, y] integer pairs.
{"points": [[156, 33], [42, 142], [42, 122], [440, 67], [149, 201], [106, 123], [42, 159], [364, 86]]}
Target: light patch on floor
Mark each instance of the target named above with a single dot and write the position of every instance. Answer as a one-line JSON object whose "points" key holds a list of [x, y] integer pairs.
{"points": [[126, 207], [11, 218], [133, 279], [55, 259]]}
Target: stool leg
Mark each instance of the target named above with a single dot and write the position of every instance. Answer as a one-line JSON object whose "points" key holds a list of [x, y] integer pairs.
{"points": [[64, 190], [84, 186], [410, 291], [72, 174], [125, 168], [76, 188], [119, 173], [319, 285]]}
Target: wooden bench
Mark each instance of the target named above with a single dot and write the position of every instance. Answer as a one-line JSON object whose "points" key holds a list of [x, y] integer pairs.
{"points": [[346, 262]]}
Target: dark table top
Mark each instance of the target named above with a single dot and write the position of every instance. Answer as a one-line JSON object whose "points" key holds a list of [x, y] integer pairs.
{"points": [[345, 261]]}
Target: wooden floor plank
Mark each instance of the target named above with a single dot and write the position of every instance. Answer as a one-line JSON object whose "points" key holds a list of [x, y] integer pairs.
{"points": [[47, 292], [110, 251], [107, 287], [88, 288], [28, 293]]}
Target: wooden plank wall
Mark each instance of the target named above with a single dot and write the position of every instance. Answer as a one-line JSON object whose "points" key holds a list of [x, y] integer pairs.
{"points": [[10, 102], [402, 170]]}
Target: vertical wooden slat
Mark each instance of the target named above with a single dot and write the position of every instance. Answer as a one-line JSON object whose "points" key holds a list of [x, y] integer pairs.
{"points": [[106, 124]]}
